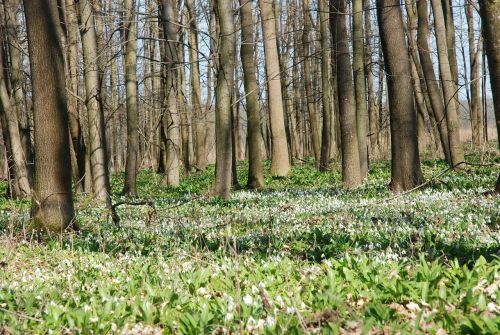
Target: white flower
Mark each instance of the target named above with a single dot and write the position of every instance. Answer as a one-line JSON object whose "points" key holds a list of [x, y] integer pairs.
{"points": [[228, 317], [270, 321], [247, 299], [230, 304], [94, 319]]}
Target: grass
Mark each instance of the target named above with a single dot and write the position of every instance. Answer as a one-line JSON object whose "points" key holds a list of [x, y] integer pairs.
{"points": [[300, 256]]}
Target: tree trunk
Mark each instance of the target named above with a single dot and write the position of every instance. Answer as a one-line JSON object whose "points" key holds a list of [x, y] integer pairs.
{"points": [[194, 73], [97, 141], [170, 119], [255, 172], [372, 117], [280, 163], [130, 62], [475, 93], [12, 126], [405, 163], [52, 202], [435, 98], [308, 80], [16, 77], [75, 129], [490, 12], [325, 85], [351, 173], [448, 86], [224, 87], [359, 86]]}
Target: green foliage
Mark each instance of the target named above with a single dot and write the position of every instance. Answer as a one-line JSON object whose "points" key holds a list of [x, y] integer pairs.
{"points": [[300, 256]]}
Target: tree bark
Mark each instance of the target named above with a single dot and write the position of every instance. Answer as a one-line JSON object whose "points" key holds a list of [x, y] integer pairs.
{"points": [[372, 117], [224, 87], [405, 163], [448, 85], [475, 93], [324, 18], [351, 173], [255, 172], [359, 86], [52, 202], [130, 62], [17, 152], [75, 129], [490, 12], [97, 140], [194, 73], [170, 119], [308, 80], [280, 162], [435, 98]]}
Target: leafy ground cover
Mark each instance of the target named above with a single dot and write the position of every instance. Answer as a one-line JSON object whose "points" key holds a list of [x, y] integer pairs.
{"points": [[301, 256]]}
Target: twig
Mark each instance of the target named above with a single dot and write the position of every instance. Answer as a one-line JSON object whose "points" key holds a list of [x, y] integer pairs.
{"points": [[19, 315]]}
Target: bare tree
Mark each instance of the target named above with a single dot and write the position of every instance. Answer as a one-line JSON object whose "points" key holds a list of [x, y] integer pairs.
{"points": [[97, 140], [490, 12], [130, 46], [435, 99], [351, 173], [448, 85], [360, 86], [405, 162], [324, 18], [255, 174], [52, 202], [170, 119], [223, 90], [280, 162], [475, 92]]}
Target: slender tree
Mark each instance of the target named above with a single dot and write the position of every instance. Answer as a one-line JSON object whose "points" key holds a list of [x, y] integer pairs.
{"points": [[308, 82], [170, 118], [435, 99], [223, 89], [324, 18], [254, 139], [97, 140], [280, 162], [79, 150], [351, 174], [405, 162], [52, 202], [194, 74], [360, 86], [130, 41], [20, 172], [448, 85], [475, 92], [490, 12]]}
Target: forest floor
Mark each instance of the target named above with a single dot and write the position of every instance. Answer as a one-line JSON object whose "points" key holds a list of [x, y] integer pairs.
{"points": [[300, 256]]}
